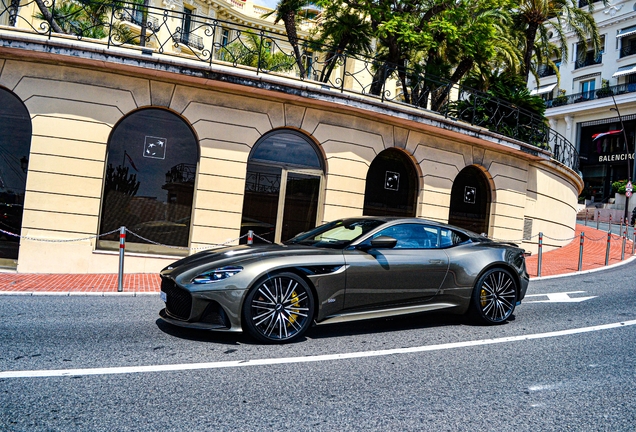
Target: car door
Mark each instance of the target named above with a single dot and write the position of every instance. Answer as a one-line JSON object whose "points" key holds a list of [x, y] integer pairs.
{"points": [[410, 272]]}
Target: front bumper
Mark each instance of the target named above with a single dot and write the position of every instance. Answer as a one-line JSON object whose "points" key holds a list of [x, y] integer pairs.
{"points": [[208, 310]]}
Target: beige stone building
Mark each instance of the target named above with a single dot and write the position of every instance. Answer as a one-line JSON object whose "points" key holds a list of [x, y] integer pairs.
{"points": [[189, 153]]}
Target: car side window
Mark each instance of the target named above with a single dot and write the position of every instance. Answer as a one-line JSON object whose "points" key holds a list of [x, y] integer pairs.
{"points": [[412, 236], [449, 238]]}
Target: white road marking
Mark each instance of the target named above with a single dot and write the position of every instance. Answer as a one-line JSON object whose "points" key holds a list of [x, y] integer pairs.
{"points": [[563, 297], [307, 359]]}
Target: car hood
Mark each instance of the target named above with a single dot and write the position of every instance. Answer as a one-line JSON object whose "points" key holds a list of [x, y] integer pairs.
{"points": [[240, 255]]}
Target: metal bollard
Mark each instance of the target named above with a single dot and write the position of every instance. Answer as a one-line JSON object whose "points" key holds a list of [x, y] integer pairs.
{"points": [[620, 230], [610, 223], [607, 250], [581, 251], [250, 237], [623, 249], [586, 217], [598, 218], [122, 247], [540, 258]]}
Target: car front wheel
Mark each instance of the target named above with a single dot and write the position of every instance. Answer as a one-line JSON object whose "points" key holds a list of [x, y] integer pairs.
{"points": [[494, 297], [279, 308]]}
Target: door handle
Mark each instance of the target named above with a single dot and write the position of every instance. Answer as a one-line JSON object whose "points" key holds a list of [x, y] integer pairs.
{"points": [[435, 261]]}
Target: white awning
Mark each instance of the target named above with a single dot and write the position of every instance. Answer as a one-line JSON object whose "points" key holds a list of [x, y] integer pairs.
{"points": [[543, 89], [625, 70], [626, 32]]}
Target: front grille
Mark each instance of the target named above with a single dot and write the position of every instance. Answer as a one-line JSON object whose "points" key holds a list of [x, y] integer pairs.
{"points": [[179, 301]]}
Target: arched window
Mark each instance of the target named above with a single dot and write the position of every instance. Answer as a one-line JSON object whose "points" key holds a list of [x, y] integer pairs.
{"points": [[470, 200], [282, 187], [391, 188], [149, 181], [15, 148]]}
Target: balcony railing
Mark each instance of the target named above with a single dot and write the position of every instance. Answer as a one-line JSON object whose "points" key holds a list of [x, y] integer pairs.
{"points": [[590, 95], [350, 72], [588, 60], [629, 49], [545, 71]]}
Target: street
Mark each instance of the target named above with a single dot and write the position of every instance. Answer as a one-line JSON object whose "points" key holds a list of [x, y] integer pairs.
{"points": [[566, 362]]}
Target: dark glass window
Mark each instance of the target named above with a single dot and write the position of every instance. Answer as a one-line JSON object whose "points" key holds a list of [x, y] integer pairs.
{"points": [[391, 188], [282, 188], [412, 236], [15, 145], [287, 148], [149, 182], [470, 200]]}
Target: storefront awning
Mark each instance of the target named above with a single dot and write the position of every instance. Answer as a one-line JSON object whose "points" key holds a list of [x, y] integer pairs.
{"points": [[543, 89], [625, 70], [626, 32]]}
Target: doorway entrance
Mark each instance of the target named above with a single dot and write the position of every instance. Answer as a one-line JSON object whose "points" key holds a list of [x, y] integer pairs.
{"points": [[470, 200], [282, 189]]}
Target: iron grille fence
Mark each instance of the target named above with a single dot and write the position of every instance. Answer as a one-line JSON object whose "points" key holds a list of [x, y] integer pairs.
{"points": [[160, 31]]}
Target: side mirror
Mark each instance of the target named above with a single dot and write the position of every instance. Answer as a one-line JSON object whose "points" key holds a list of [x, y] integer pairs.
{"points": [[381, 242]]}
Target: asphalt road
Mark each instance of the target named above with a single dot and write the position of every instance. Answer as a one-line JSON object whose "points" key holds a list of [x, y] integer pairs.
{"points": [[443, 373]]}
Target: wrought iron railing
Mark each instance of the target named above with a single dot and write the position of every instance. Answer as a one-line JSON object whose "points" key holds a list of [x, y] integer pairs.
{"points": [[601, 93], [159, 31], [628, 48], [588, 59], [181, 173], [545, 71]]}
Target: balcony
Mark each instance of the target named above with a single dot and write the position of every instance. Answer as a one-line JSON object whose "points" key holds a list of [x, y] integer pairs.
{"points": [[545, 71], [189, 39], [588, 60], [590, 95], [628, 48]]}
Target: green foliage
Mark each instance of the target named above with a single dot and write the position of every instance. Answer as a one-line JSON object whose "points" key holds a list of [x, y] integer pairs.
{"points": [[528, 124], [619, 186], [88, 18], [254, 49]]}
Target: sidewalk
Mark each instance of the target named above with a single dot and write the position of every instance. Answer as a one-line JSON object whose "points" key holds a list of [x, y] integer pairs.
{"points": [[557, 262]]}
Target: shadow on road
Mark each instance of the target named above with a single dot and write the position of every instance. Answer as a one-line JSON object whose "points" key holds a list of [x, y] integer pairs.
{"points": [[325, 331]]}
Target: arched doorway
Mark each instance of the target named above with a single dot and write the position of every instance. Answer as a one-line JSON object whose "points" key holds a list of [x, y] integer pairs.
{"points": [[149, 182], [284, 179], [391, 187], [15, 149], [470, 200]]}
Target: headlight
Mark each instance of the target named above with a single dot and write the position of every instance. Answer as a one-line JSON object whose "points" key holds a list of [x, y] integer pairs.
{"points": [[216, 274]]}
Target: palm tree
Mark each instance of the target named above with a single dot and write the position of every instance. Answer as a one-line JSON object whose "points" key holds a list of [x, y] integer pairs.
{"points": [[538, 19], [287, 11], [340, 30]]}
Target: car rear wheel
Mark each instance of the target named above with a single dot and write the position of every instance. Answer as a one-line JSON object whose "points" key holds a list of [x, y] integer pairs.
{"points": [[494, 297], [279, 308]]}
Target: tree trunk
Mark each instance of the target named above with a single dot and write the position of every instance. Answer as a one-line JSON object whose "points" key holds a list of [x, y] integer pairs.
{"points": [[441, 97], [292, 36], [531, 34], [48, 16]]}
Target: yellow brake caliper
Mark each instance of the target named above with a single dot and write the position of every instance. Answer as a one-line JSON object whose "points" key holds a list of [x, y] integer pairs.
{"points": [[482, 297], [295, 303]]}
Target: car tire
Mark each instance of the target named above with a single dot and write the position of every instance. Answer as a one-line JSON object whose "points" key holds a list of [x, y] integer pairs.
{"points": [[278, 309], [494, 297]]}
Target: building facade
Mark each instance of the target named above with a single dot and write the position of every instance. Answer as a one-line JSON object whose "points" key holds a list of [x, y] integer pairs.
{"points": [[188, 155], [583, 104]]}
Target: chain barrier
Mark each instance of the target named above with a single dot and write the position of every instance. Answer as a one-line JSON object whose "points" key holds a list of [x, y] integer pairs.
{"points": [[58, 240], [185, 247]]}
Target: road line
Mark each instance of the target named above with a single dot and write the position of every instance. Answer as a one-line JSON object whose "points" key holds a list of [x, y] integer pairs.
{"points": [[307, 359]]}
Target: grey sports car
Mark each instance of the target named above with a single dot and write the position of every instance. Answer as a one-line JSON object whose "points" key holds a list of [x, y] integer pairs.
{"points": [[349, 269]]}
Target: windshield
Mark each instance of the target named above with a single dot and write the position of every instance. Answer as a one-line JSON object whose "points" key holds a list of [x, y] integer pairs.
{"points": [[337, 234]]}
